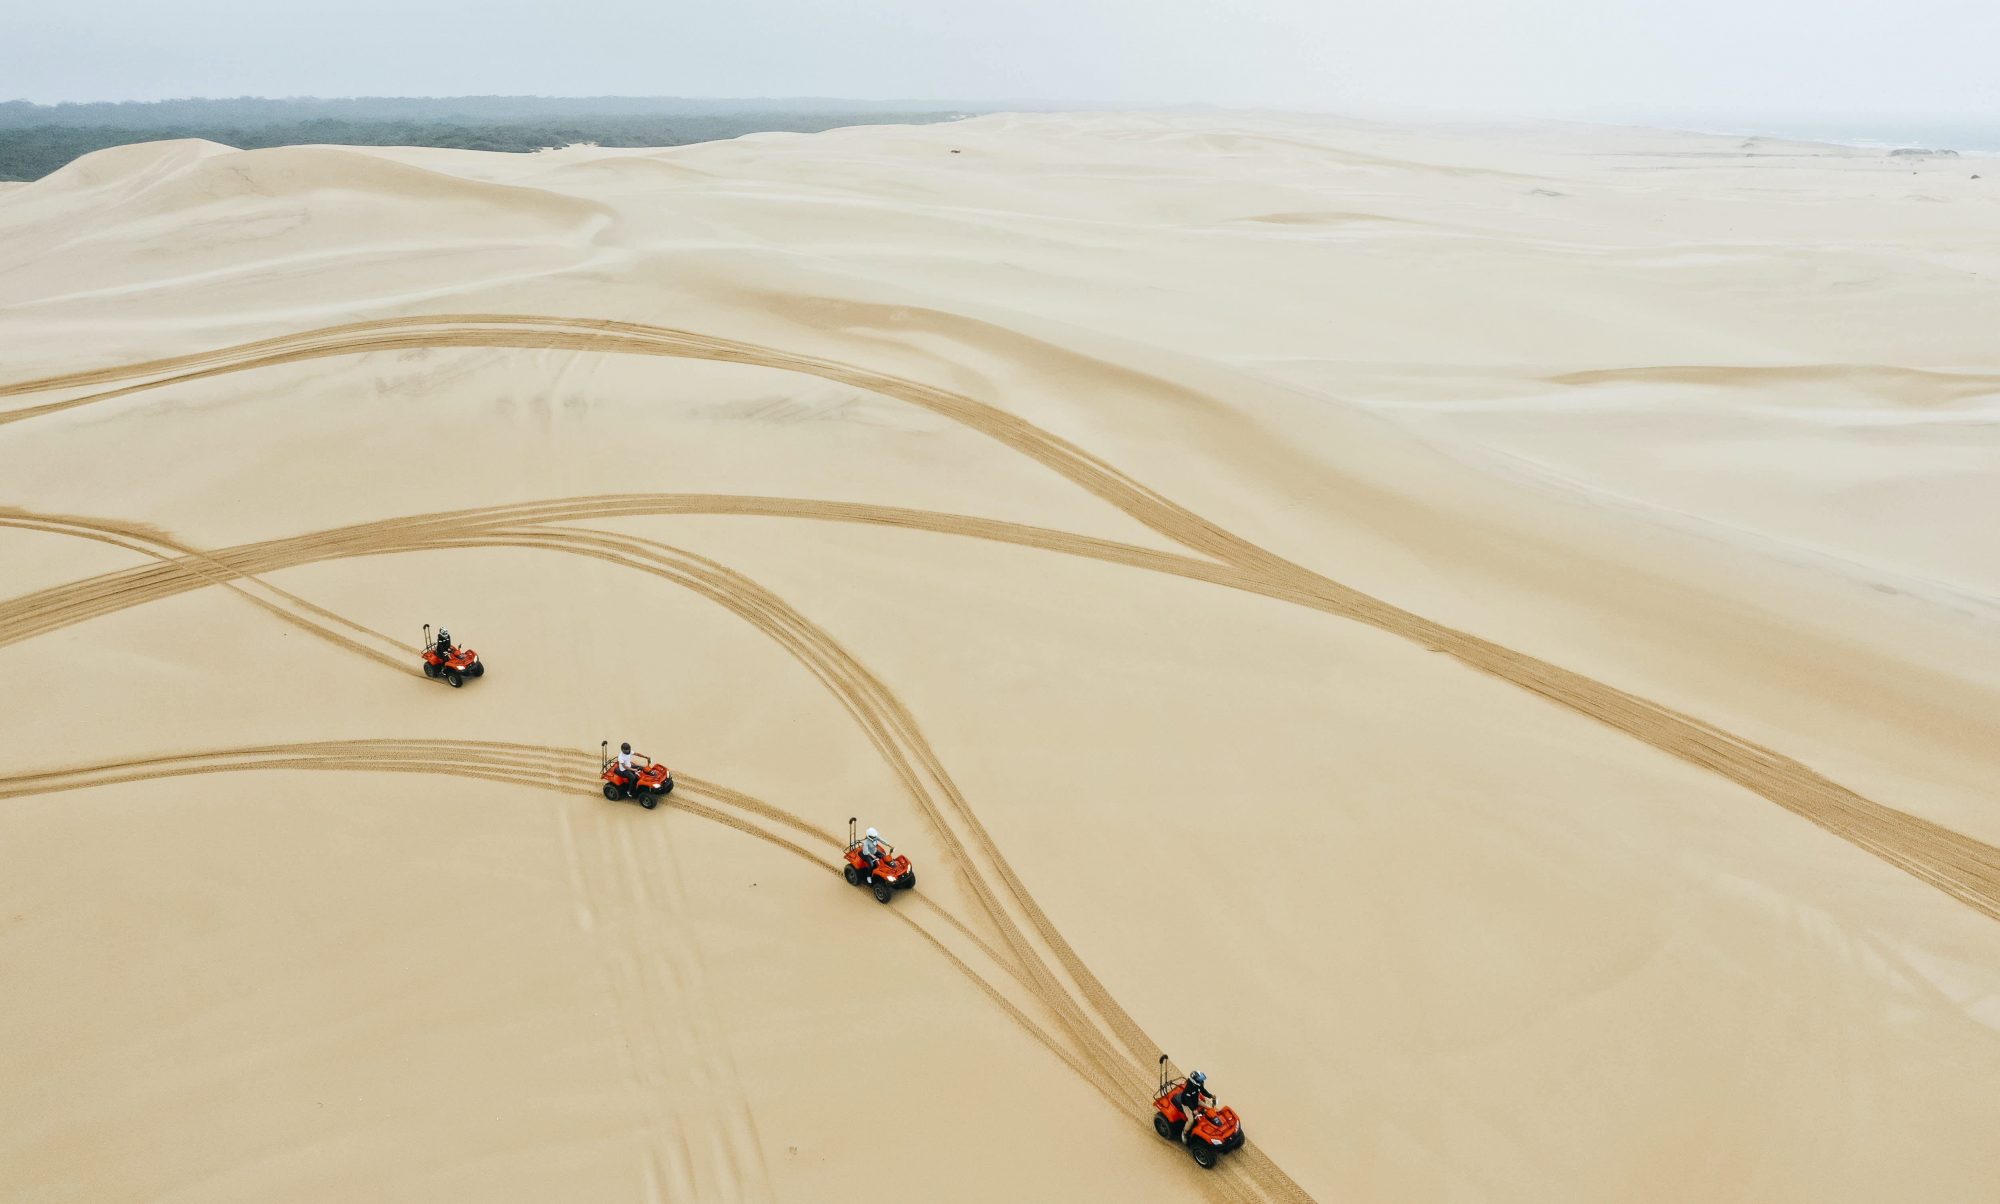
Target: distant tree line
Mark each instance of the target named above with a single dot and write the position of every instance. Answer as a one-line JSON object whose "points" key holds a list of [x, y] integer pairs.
{"points": [[37, 139]]}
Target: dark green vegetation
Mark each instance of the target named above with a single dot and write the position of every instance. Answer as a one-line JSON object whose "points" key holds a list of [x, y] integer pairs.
{"points": [[37, 139]]}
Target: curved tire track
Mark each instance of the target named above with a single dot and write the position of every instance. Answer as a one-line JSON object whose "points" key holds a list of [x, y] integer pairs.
{"points": [[572, 773], [1962, 867], [1970, 873], [1081, 1018]]}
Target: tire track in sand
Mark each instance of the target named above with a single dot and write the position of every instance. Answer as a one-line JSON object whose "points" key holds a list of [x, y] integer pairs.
{"points": [[887, 723], [1962, 867], [571, 773], [1256, 1168], [1073, 1009], [1079, 1006], [63, 609], [1968, 873], [568, 772], [414, 534], [288, 606]]}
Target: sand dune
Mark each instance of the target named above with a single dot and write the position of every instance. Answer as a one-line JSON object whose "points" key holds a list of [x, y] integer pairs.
{"points": [[1482, 640]]}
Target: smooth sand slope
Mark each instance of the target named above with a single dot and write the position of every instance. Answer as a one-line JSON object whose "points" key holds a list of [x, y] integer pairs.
{"points": [[1486, 641]]}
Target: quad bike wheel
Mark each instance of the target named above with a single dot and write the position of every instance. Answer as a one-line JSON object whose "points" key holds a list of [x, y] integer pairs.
{"points": [[479, 668], [907, 881], [1204, 1153], [610, 792], [649, 801], [455, 679], [882, 892], [853, 876], [1163, 1127], [1233, 1141], [430, 670], [667, 789]]}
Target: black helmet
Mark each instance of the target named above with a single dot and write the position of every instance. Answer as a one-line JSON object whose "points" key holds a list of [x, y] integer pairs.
{"points": [[624, 748], [1198, 1079]]}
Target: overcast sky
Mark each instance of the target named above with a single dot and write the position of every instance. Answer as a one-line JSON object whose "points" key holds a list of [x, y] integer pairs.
{"points": [[1589, 58]]}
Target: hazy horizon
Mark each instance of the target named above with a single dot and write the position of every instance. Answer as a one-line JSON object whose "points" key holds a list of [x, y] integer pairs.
{"points": [[1766, 59], [1978, 132]]}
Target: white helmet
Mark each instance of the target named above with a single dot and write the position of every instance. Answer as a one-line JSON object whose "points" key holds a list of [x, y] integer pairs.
{"points": [[874, 834]]}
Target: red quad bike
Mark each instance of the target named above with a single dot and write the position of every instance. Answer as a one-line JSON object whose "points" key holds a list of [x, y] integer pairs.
{"points": [[890, 873], [649, 785], [461, 664], [1215, 1131]]}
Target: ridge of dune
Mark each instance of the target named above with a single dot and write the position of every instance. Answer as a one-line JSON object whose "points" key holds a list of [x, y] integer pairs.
{"points": [[134, 164], [1276, 550], [185, 210], [1909, 386], [166, 179]]}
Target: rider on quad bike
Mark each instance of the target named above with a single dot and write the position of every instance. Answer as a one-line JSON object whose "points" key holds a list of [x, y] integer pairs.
{"points": [[1191, 1096], [874, 863], [625, 777], [1185, 1111], [445, 660]]}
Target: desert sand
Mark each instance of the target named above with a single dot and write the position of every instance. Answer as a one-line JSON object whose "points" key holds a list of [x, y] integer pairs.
{"points": [[1486, 641]]}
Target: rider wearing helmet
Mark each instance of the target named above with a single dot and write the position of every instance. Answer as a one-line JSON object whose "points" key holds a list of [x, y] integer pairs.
{"points": [[871, 848], [626, 768], [1193, 1097], [443, 648]]}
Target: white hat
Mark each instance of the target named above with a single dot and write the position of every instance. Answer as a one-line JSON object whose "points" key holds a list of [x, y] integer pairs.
{"points": [[874, 833]]}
